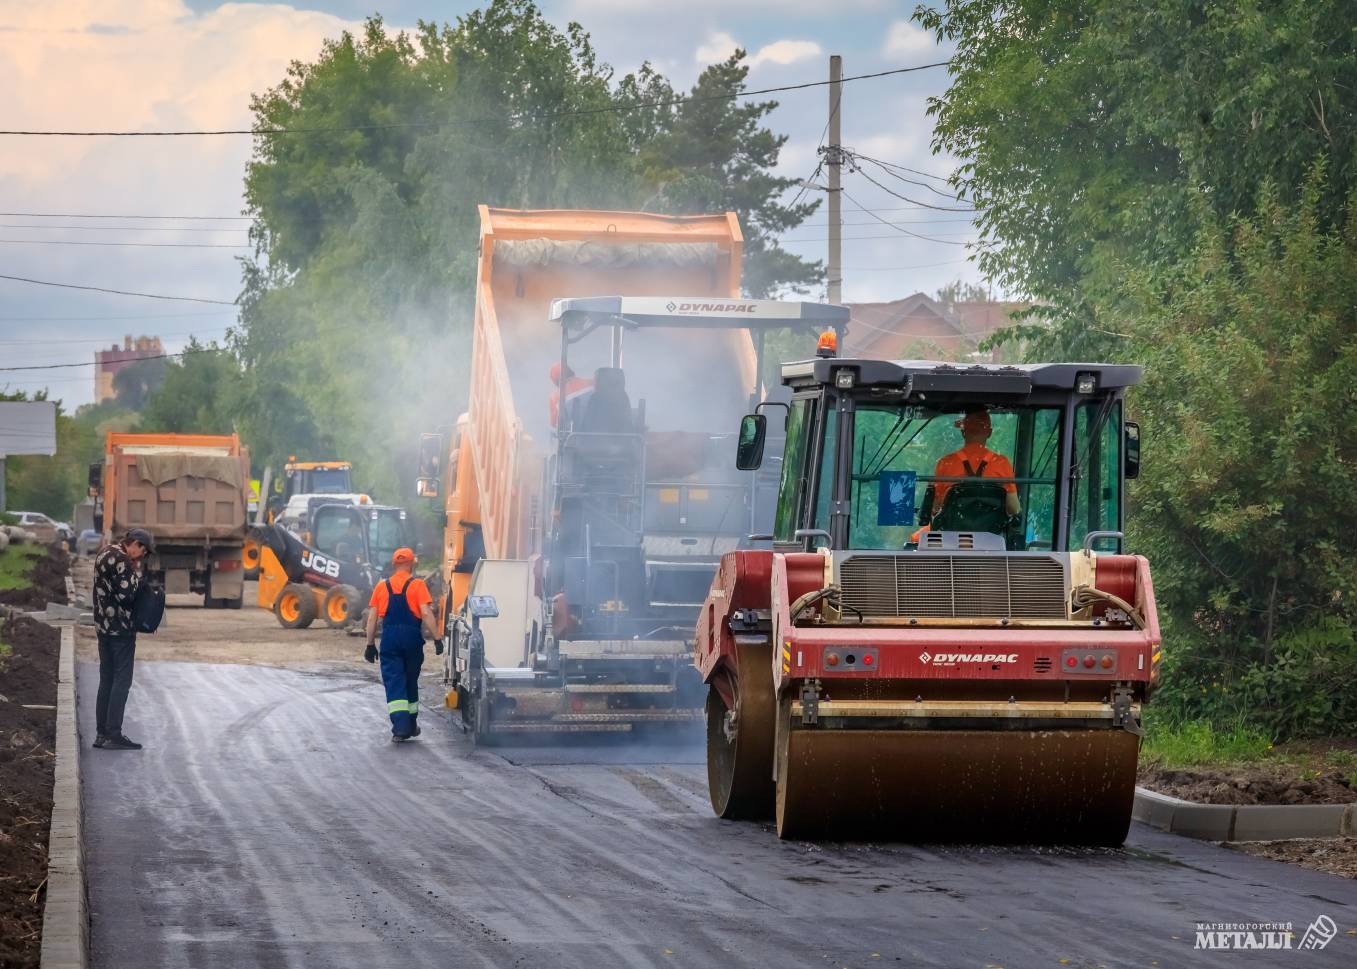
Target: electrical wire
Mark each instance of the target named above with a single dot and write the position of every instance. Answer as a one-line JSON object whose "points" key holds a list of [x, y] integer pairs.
{"points": [[888, 168], [117, 292], [906, 198], [134, 245], [909, 232], [504, 119]]}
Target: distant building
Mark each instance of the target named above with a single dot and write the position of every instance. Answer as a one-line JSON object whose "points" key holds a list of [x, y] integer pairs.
{"points": [[108, 362], [920, 327]]}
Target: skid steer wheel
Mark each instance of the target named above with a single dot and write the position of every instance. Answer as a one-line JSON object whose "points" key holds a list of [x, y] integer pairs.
{"points": [[341, 604], [295, 606], [249, 559], [740, 742]]}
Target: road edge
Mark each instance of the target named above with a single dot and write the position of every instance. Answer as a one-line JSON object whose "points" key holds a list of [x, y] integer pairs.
{"points": [[1243, 822], [65, 916]]}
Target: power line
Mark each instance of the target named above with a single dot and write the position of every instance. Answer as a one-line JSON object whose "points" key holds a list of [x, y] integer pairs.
{"points": [[90, 319], [908, 232], [87, 215], [888, 168], [117, 292], [121, 228], [906, 198], [504, 119], [135, 245]]}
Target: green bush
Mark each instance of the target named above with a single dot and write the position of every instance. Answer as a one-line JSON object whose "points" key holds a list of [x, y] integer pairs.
{"points": [[1307, 690]]}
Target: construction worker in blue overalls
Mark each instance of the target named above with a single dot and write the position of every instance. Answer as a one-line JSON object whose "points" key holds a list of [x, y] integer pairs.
{"points": [[405, 608]]}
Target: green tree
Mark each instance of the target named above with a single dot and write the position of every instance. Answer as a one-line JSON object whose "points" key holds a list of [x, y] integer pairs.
{"points": [[1249, 501], [356, 311], [713, 155], [137, 381], [1090, 132], [200, 393]]}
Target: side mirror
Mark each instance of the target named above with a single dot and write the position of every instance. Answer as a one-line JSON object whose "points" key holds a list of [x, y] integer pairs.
{"points": [[749, 451], [96, 479], [426, 487], [430, 463], [1132, 448]]}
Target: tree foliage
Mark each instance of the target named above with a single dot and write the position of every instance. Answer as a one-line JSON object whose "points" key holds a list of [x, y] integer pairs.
{"points": [[356, 309], [1249, 504], [1174, 183], [1091, 133]]}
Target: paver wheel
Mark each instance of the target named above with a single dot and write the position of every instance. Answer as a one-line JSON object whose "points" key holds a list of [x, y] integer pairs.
{"points": [[295, 606]]}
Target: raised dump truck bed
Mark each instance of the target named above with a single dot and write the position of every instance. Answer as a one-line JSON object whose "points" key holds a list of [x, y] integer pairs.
{"points": [[597, 540]]}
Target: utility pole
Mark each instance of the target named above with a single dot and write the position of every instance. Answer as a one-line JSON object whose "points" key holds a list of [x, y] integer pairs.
{"points": [[834, 158]]}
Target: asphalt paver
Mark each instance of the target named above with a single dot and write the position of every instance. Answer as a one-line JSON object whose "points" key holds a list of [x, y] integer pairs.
{"points": [[270, 823]]}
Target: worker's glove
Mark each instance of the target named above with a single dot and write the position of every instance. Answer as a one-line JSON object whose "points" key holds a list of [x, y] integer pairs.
{"points": [[438, 647], [370, 653]]}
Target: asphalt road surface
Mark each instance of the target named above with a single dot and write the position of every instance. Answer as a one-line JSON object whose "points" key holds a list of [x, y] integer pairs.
{"points": [[270, 822]]}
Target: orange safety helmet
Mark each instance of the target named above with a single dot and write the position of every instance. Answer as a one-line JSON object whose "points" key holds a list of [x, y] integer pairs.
{"points": [[556, 372], [403, 556]]}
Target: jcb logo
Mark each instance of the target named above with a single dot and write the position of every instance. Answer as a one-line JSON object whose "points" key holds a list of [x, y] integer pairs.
{"points": [[319, 563]]}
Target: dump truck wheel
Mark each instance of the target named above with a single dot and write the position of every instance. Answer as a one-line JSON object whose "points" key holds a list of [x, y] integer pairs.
{"points": [[341, 605], [295, 606], [740, 747]]}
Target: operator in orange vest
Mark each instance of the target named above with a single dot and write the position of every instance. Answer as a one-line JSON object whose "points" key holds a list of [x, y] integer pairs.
{"points": [[974, 460], [404, 605], [565, 382]]}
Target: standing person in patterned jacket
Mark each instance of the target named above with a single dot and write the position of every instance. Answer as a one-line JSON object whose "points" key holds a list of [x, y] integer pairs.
{"points": [[117, 577]]}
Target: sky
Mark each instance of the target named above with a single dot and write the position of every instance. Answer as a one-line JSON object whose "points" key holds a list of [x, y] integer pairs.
{"points": [[193, 64]]}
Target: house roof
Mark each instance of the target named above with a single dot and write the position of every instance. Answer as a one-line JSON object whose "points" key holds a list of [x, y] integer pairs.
{"points": [[885, 330]]}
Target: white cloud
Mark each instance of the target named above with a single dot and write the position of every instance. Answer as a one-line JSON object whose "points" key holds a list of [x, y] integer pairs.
{"points": [[904, 39], [715, 48], [785, 52], [721, 45], [125, 65]]}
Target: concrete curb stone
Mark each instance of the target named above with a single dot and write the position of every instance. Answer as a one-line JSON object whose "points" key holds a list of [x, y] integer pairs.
{"points": [[1243, 822], [65, 918]]}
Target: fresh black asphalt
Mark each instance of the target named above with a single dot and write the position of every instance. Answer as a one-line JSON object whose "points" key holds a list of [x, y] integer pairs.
{"points": [[270, 823]]}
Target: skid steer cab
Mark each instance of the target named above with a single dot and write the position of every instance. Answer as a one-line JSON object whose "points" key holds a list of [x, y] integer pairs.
{"points": [[330, 576], [947, 640]]}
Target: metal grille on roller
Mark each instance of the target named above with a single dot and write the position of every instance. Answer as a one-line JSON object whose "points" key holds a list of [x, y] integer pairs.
{"points": [[925, 586]]}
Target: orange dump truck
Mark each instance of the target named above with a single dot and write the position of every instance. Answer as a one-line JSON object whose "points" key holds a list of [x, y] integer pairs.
{"points": [[191, 492], [594, 505]]}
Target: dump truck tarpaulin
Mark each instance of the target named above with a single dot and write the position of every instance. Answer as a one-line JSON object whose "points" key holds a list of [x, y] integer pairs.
{"points": [[159, 469]]}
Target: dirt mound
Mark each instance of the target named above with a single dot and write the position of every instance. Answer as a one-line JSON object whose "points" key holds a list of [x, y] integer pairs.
{"points": [[28, 676], [1338, 856], [1250, 784], [49, 582]]}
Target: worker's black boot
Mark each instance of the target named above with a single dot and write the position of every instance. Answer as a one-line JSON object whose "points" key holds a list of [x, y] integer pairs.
{"points": [[414, 728], [121, 742], [100, 741]]}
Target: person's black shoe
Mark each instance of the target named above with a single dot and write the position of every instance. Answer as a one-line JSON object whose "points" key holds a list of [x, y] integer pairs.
{"points": [[121, 742], [399, 738], [100, 741], [414, 730]]}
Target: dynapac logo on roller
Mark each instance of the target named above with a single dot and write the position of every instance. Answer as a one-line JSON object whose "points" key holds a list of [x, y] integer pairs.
{"points": [[710, 307], [951, 659]]}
